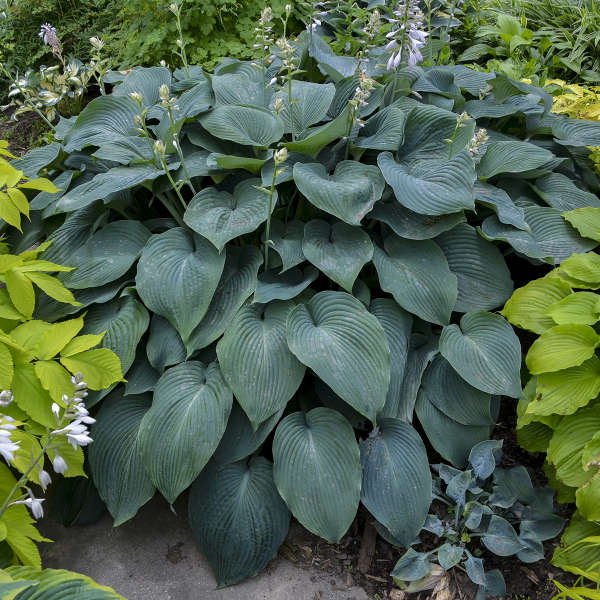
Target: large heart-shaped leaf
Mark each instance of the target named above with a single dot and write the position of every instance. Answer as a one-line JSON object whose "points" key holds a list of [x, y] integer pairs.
{"points": [[145, 81], [558, 191], [349, 193], [339, 250], [310, 103], [272, 285], [397, 325], [164, 347], [287, 242], [416, 273], [177, 276], [511, 157], [501, 203], [316, 466], [431, 187], [179, 434], [237, 283], [384, 130], [125, 321], [396, 480], [238, 518], [107, 255], [484, 280], [256, 362], [485, 351], [246, 125], [345, 346], [104, 119], [220, 216], [115, 457]]}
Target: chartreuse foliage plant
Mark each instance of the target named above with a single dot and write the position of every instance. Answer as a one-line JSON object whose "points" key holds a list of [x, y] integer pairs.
{"points": [[480, 507], [559, 412], [296, 260]]}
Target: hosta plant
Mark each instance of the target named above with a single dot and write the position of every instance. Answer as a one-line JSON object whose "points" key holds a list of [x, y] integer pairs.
{"points": [[475, 509], [295, 260], [559, 412]]}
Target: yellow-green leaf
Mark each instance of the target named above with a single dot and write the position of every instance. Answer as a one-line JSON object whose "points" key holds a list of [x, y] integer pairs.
{"points": [[29, 450], [43, 265], [35, 252], [100, 367], [582, 267], [57, 336], [41, 184], [19, 199], [7, 310], [526, 307], [81, 343], [53, 288], [6, 367], [55, 379], [74, 457], [561, 347], [31, 396], [9, 212], [28, 334], [586, 221], [20, 291], [588, 499], [8, 261], [580, 307]]}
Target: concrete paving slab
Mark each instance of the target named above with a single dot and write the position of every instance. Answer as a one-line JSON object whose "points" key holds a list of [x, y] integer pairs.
{"points": [[155, 557]]}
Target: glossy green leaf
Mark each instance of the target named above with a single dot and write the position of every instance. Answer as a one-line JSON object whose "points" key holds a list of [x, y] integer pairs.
{"points": [[181, 431], [177, 276], [220, 216], [485, 352], [238, 518], [349, 193], [345, 346], [256, 362], [396, 480], [339, 250], [115, 457], [317, 470], [416, 273]]}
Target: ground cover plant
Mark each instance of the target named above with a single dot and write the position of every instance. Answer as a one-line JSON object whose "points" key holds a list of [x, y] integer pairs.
{"points": [[297, 260]]}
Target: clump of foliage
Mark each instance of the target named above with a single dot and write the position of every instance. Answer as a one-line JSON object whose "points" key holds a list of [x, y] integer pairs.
{"points": [[296, 253], [480, 506]]}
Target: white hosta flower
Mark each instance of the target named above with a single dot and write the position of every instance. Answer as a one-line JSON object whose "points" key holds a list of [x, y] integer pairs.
{"points": [[34, 505], [59, 464], [6, 397], [97, 43], [477, 143], [174, 8], [45, 479], [7, 446]]}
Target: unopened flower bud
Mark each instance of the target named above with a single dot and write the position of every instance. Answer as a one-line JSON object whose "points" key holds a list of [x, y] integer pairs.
{"points": [[58, 464], [136, 97], [159, 148], [163, 91], [174, 8], [281, 156]]}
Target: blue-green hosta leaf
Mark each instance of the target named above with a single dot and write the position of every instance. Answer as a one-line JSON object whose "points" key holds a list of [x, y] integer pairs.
{"points": [[558, 191], [451, 394], [237, 284], [45, 199], [488, 108], [177, 276], [238, 518], [576, 132], [286, 240], [474, 569], [484, 280], [422, 349], [500, 202], [330, 63], [345, 346], [164, 346], [439, 81], [416, 273], [115, 457], [126, 150], [339, 250], [37, 159], [554, 235], [349, 193], [511, 157], [283, 286], [220, 216], [396, 480], [141, 377], [256, 362], [107, 255], [482, 457], [285, 169], [449, 556], [103, 184], [397, 325], [179, 434], [522, 241], [246, 125], [104, 119], [240, 88], [316, 466], [451, 440], [501, 538], [412, 566], [240, 440], [411, 225], [384, 130], [145, 81], [485, 351], [125, 321], [431, 187], [310, 103]]}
